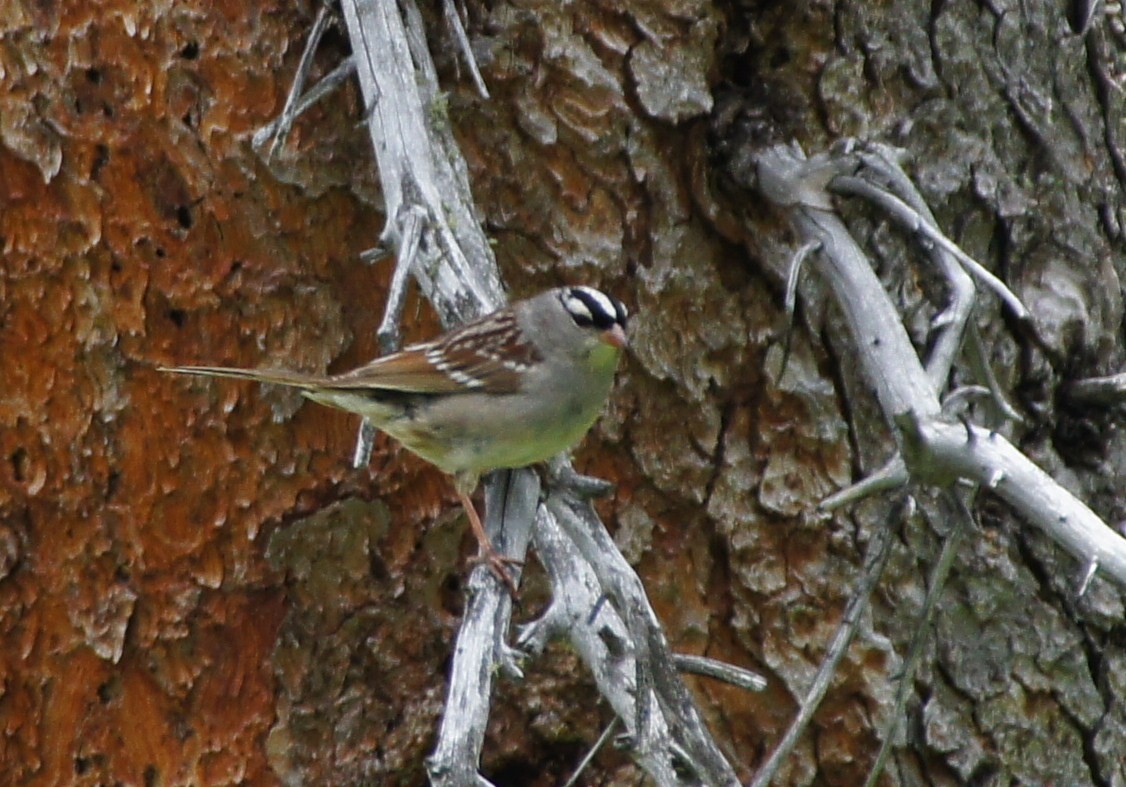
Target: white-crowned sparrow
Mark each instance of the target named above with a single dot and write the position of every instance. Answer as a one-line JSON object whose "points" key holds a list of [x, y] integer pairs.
{"points": [[506, 390]]}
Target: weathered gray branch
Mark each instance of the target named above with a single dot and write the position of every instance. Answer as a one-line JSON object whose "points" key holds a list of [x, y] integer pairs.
{"points": [[881, 163], [660, 705], [932, 449], [602, 640], [426, 193], [728, 673], [1100, 390], [425, 184], [935, 450], [290, 110], [419, 163], [481, 639], [279, 127]]}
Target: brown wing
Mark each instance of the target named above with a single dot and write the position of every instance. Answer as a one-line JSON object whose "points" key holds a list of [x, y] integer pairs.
{"points": [[486, 355]]}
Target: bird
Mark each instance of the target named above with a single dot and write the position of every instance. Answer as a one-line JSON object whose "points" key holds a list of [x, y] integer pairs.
{"points": [[509, 389]]}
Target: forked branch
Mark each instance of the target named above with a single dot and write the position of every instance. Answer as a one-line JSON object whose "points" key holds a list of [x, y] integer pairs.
{"points": [[431, 224], [934, 449]]}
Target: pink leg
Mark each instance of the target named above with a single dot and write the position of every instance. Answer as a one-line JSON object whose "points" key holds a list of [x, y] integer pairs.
{"points": [[489, 555]]}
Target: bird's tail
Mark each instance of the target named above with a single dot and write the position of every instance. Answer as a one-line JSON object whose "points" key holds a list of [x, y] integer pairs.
{"points": [[274, 376]]}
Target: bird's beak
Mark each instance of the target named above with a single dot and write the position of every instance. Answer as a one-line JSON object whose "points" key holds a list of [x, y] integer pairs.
{"points": [[615, 337]]}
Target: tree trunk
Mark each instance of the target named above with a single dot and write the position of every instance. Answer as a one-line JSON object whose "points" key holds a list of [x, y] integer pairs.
{"points": [[195, 586]]}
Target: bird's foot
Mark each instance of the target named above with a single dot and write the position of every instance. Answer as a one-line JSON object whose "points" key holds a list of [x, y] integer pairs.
{"points": [[498, 564]]}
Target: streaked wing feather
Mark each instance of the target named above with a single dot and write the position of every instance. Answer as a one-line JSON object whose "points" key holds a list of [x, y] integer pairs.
{"points": [[407, 371], [465, 360]]}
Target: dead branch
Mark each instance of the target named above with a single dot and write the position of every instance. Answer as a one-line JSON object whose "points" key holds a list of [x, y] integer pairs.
{"points": [[426, 196], [933, 449]]}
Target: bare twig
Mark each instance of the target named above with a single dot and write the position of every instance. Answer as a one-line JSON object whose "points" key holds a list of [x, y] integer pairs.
{"points": [[879, 547], [365, 440], [792, 279], [285, 120], [453, 19], [1099, 390], [794, 275], [418, 159], [562, 475], [375, 253], [939, 453], [590, 755], [388, 331], [891, 476], [1089, 572], [960, 398], [326, 86], [511, 498], [886, 356], [604, 643], [983, 371], [898, 209], [939, 573], [720, 670], [881, 162], [664, 720]]}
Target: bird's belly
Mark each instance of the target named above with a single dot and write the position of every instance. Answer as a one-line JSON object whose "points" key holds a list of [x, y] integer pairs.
{"points": [[490, 437]]}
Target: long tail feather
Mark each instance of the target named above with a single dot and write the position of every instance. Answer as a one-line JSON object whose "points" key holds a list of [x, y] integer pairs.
{"points": [[274, 376]]}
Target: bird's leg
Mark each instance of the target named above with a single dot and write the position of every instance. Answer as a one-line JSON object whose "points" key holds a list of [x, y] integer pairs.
{"points": [[489, 555]]}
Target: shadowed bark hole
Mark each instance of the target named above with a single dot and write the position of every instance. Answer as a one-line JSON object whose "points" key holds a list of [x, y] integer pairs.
{"points": [[184, 217], [21, 465]]}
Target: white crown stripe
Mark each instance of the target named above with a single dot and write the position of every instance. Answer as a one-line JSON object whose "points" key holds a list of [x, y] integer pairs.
{"points": [[604, 303], [578, 307]]}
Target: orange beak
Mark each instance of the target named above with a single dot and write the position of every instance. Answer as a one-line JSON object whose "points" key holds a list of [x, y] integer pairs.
{"points": [[615, 337]]}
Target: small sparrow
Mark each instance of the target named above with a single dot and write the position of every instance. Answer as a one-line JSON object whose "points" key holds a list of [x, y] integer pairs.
{"points": [[506, 390]]}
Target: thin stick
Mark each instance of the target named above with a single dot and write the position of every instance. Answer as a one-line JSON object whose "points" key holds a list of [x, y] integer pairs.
{"points": [[334, 79], [454, 21], [1100, 390], [937, 581], [908, 216], [879, 548], [882, 163], [412, 226], [794, 274], [590, 755], [388, 332], [983, 370], [891, 476], [285, 120], [720, 670]]}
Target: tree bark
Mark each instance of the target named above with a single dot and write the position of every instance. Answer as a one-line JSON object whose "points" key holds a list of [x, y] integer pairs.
{"points": [[195, 586]]}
